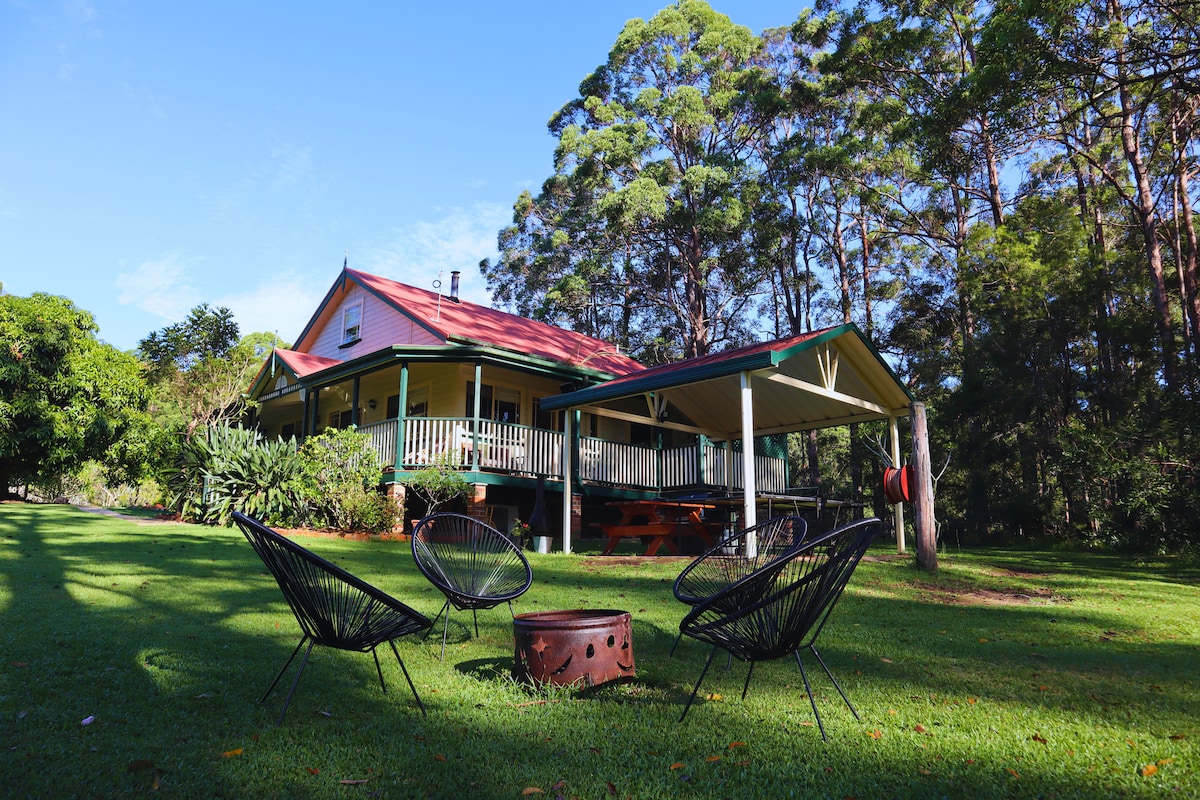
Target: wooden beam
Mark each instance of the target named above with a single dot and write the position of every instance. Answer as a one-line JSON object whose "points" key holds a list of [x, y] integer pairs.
{"points": [[601, 411], [829, 393]]}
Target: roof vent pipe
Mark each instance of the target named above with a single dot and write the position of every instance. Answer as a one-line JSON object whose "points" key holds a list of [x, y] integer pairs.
{"points": [[454, 285]]}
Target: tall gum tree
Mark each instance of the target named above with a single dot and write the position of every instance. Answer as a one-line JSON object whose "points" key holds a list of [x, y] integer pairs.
{"points": [[654, 154]]}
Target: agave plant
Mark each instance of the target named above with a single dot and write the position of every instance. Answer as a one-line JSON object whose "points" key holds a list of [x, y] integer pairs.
{"points": [[227, 469]]}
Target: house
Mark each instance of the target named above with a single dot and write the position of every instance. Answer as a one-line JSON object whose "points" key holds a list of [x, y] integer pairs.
{"points": [[510, 402], [433, 378]]}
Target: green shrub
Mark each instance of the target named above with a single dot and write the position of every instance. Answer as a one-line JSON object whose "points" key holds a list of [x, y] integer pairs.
{"points": [[438, 484], [341, 474], [226, 469]]}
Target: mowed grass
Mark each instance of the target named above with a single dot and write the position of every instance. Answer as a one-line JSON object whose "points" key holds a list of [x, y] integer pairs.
{"points": [[132, 656]]}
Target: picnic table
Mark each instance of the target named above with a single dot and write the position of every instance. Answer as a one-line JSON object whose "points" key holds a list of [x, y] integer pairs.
{"points": [[659, 521]]}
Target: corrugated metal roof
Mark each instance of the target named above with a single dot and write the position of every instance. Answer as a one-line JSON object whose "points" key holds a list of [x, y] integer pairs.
{"points": [[470, 323], [303, 363], [828, 377]]}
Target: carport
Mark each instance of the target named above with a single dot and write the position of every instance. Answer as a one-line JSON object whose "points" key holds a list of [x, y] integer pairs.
{"points": [[822, 379]]}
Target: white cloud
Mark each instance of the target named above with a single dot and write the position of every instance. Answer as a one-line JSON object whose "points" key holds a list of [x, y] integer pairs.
{"points": [[160, 288], [459, 240], [281, 303]]}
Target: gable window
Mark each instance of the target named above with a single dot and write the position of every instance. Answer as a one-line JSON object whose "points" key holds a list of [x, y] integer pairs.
{"points": [[351, 324]]}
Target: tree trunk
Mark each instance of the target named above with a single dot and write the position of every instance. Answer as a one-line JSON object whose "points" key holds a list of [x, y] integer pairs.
{"points": [[923, 518], [1145, 211]]}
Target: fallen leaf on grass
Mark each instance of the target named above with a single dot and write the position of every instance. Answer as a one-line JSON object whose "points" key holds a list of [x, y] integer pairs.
{"points": [[142, 765], [1012, 772], [919, 728], [237, 751], [438, 757], [737, 744], [678, 765], [714, 696], [611, 788], [528, 790], [1148, 770], [313, 771], [886, 660], [1038, 738], [1175, 737], [352, 781], [875, 734], [711, 759]]}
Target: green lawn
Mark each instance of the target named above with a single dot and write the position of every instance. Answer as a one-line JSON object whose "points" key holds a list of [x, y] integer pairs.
{"points": [[132, 655]]}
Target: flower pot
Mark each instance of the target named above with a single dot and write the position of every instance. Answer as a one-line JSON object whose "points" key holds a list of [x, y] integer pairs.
{"points": [[541, 544]]}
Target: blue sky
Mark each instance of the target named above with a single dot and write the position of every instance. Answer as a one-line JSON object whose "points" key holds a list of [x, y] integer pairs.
{"points": [[158, 155]]}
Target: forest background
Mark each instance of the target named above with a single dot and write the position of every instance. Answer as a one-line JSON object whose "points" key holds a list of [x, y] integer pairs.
{"points": [[997, 194]]}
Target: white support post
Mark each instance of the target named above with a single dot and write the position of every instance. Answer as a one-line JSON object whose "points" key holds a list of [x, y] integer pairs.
{"points": [[566, 468], [749, 487], [898, 508]]}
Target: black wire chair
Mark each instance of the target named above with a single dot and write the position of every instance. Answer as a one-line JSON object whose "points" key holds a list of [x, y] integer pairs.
{"points": [[333, 607], [726, 562], [781, 608], [469, 561]]}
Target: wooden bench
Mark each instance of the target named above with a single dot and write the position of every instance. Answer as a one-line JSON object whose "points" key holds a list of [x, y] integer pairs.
{"points": [[659, 532]]}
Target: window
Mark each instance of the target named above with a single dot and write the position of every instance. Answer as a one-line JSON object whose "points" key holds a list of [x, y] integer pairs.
{"points": [[547, 420], [340, 419], [351, 324], [290, 430], [281, 382], [495, 402], [418, 402]]}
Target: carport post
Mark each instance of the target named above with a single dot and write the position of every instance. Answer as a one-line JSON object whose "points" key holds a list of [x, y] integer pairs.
{"points": [[567, 413], [749, 487], [898, 508]]}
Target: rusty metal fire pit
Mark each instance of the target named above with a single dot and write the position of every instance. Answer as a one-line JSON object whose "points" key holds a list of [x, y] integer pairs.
{"points": [[587, 646]]}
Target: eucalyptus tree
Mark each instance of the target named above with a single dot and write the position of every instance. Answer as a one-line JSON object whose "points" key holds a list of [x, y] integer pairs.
{"points": [[654, 159], [1105, 78]]}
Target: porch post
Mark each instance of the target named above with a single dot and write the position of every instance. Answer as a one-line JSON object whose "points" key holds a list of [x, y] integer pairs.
{"points": [[401, 416], [898, 508], [354, 403], [749, 487], [305, 414], [316, 409], [475, 424], [922, 478], [566, 476]]}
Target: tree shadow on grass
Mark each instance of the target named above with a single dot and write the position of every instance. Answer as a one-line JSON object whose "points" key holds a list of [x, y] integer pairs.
{"points": [[171, 660]]}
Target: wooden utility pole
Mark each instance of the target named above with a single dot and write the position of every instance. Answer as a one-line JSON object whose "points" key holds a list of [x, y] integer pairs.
{"points": [[922, 488]]}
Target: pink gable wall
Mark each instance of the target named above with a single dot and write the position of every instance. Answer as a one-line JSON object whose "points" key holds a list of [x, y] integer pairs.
{"points": [[382, 326]]}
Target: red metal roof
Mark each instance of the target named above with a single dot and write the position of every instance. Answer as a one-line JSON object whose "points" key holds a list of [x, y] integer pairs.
{"points": [[468, 322], [304, 364]]}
